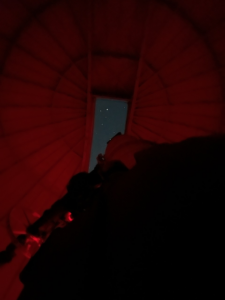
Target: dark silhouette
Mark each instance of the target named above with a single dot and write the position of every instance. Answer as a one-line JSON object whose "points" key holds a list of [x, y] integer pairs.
{"points": [[81, 190], [155, 233]]}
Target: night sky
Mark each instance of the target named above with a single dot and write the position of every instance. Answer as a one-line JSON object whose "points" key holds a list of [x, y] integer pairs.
{"points": [[110, 118]]}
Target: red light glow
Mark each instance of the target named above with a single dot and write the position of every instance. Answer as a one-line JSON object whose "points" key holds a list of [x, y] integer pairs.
{"points": [[68, 217]]}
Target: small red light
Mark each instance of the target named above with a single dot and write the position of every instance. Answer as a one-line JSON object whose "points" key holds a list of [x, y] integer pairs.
{"points": [[68, 217]]}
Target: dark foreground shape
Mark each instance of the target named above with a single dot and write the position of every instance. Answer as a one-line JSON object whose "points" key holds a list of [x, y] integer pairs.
{"points": [[7, 255], [154, 233]]}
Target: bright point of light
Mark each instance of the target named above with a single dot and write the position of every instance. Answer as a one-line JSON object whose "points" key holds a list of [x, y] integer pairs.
{"points": [[107, 109]]}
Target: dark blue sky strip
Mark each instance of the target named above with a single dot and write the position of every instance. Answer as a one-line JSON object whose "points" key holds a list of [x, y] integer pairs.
{"points": [[110, 118]]}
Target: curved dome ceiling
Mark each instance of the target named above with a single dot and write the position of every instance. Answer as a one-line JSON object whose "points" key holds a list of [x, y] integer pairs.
{"points": [[165, 56]]}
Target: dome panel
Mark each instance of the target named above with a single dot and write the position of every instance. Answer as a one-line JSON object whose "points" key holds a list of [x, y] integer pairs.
{"points": [[24, 67], [58, 21], [119, 76], [19, 93], [128, 19], [13, 15]]}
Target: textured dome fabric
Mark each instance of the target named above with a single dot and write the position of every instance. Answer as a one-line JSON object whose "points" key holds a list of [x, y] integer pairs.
{"points": [[166, 57]]}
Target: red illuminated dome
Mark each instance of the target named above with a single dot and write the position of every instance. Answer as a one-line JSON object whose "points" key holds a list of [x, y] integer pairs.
{"points": [[166, 56]]}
